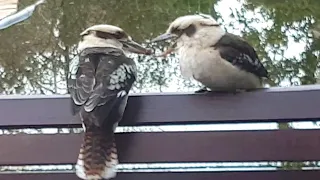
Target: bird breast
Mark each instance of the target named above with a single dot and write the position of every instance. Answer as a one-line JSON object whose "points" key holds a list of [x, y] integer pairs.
{"points": [[206, 66]]}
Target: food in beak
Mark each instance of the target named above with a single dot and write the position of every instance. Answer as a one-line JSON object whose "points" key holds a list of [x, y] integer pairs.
{"points": [[165, 53], [134, 47], [170, 49], [164, 37]]}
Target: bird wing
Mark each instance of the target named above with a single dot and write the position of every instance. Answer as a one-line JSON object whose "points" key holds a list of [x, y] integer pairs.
{"points": [[103, 78], [241, 54]]}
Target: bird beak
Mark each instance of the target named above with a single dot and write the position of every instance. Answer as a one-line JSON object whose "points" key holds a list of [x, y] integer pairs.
{"points": [[164, 37], [134, 47]]}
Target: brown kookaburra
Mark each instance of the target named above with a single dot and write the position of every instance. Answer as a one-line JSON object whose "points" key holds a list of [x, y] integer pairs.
{"points": [[218, 60], [99, 94]]}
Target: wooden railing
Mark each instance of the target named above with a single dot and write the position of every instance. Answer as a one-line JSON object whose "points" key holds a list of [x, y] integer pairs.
{"points": [[273, 105]]}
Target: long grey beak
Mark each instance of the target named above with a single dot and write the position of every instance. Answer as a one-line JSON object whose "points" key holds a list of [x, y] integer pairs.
{"points": [[164, 37], [134, 47]]}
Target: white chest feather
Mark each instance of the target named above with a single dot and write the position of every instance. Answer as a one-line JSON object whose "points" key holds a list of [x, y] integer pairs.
{"points": [[207, 67], [194, 62]]}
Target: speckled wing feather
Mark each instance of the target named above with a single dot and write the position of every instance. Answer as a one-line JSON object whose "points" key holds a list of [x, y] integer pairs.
{"points": [[241, 54], [99, 95]]}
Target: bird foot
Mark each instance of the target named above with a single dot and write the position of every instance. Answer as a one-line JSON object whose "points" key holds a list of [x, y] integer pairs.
{"points": [[234, 91], [202, 90], [226, 92], [205, 90], [218, 91]]}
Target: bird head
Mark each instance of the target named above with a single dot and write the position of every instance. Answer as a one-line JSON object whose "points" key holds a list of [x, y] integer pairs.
{"points": [[187, 30], [104, 35]]}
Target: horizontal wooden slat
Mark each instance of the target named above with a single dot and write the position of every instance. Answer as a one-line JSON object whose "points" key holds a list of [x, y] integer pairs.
{"points": [[237, 146], [259, 175], [275, 104]]}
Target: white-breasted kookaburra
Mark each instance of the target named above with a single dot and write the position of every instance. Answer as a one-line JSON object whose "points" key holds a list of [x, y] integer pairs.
{"points": [[99, 95], [219, 60]]}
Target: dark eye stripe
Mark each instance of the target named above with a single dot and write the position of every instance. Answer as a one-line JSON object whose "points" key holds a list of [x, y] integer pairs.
{"points": [[105, 35], [120, 35], [202, 24], [189, 31], [176, 30]]}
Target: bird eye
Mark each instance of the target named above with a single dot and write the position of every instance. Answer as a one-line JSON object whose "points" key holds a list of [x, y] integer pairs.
{"points": [[176, 31], [120, 35], [189, 31]]}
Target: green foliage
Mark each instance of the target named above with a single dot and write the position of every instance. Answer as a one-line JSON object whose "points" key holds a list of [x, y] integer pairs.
{"points": [[36, 53]]}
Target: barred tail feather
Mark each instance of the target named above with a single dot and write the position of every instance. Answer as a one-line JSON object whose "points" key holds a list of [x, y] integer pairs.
{"points": [[98, 155]]}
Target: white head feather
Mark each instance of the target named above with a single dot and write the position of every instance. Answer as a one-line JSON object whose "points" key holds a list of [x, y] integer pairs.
{"points": [[207, 30], [91, 40], [194, 36]]}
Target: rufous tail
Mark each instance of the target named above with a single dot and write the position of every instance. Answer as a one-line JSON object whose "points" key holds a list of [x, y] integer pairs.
{"points": [[98, 155]]}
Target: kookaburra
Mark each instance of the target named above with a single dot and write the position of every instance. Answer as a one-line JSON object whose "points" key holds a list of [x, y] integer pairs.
{"points": [[219, 60], [99, 95]]}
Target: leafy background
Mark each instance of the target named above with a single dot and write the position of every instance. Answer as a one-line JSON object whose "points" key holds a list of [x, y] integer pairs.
{"points": [[37, 55]]}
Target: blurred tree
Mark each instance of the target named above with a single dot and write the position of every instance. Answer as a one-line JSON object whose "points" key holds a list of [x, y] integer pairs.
{"points": [[41, 48], [36, 53], [291, 19]]}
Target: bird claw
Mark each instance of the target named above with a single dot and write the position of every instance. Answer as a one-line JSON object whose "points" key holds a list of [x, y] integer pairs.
{"points": [[202, 90], [216, 91]]}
